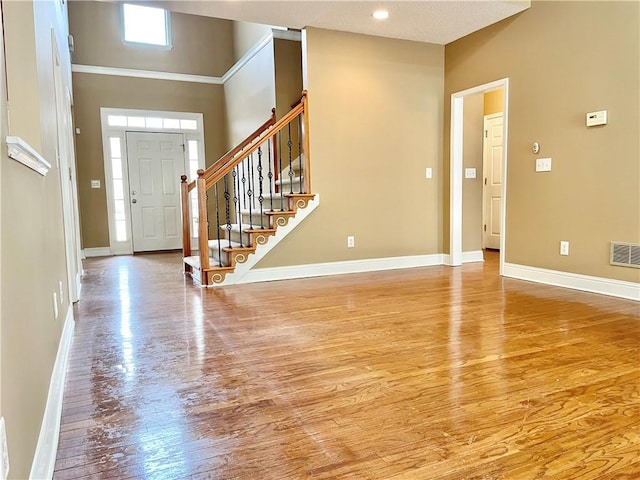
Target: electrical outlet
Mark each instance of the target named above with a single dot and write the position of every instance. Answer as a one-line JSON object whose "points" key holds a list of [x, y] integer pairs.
{"points": [[543, 164], [564, 247], [4, 452], [351, 242]]}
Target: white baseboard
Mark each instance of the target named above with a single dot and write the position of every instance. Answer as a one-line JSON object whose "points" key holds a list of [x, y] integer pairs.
{"points": [[575, 281], [97, 252], [467, 257], [44, 459], [340, 268]]}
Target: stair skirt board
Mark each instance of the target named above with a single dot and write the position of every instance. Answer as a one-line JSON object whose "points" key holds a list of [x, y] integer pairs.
{"points": [[282, 231], [265, 247]]}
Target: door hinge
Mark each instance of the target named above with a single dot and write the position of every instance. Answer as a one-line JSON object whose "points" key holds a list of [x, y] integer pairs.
{"points": [[70, 177], [485, 180], [486, 133], [485, 228], [183, 147]]}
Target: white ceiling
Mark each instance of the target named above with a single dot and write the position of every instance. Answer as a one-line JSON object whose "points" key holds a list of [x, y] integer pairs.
{"points": [[433, 21]]}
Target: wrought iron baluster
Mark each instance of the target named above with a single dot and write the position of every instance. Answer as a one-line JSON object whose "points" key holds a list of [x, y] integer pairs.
{"points": [[236, 189], [300, 152], [260, 180], [250, 189], [289, 145], [280, 170], [227, 206], [270, 173], [206, 196], [239, 204], [215, 192]]}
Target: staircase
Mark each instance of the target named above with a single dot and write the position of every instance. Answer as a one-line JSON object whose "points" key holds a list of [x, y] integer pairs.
{"points": [[248, 200]]}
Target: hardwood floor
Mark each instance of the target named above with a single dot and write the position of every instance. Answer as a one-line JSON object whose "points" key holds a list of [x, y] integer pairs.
{"points": [[430, 373]]}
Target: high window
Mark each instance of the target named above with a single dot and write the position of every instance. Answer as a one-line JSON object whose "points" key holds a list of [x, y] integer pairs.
{"points": [[146, 25]]}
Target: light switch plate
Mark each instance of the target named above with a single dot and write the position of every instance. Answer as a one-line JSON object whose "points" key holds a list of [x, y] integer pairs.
{"points": [[429, 172], [543, 164], [95, 183], [469, 173], [596, 118]]}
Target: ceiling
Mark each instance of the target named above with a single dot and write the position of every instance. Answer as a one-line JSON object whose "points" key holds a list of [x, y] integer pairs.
{"points": [[433, 21]]}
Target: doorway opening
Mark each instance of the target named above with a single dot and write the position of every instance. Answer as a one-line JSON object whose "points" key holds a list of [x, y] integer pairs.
{"points": [[457, 171], [126, 219]]}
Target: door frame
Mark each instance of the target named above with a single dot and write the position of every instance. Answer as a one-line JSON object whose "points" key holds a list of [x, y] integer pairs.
{"points": [[486, 119], [456, 170], [125, 247], [65, 161]]}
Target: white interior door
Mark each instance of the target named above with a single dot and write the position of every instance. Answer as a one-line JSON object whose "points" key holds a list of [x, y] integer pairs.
{"points": [[492, 188], [156, 161]]}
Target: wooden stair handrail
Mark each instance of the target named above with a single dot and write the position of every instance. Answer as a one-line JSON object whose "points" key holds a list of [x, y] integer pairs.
{"points": [[257, 133], [271, 131]]}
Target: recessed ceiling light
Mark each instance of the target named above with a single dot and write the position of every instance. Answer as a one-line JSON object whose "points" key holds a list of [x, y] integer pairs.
{"points": [[381, 14]]}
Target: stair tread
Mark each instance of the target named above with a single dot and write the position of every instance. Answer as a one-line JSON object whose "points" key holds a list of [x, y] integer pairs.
{"points": [[223, 243], [219, 269], [246, 227], [286, 179], [244, 248], [257, 212], [281, 212], [194, 261]]}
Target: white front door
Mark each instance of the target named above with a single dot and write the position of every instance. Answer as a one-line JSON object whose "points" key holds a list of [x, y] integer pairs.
{"points": [[156, 161], [492, 188]]}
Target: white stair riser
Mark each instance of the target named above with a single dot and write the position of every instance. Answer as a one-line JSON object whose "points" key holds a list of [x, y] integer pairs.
{"points": [[213, 253], [287, 184], [269, 203], [254, 219], [235, 236], [295, 166]]}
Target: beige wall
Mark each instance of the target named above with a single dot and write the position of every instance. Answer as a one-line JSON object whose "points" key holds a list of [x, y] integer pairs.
{"points": [[557, 74], [494, 101], [95, 91], [200, 45], [375, 124], [473, 126], [32, 238], [288, 74], [246, 35], [250, 96]]}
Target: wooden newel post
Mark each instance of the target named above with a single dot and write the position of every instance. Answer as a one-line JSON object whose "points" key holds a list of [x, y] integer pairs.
{"points": [[186, 217], [203, 230], [305, 141]]}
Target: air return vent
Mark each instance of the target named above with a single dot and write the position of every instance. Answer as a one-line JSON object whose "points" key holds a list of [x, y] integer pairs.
{"points": [[625, 254]]}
